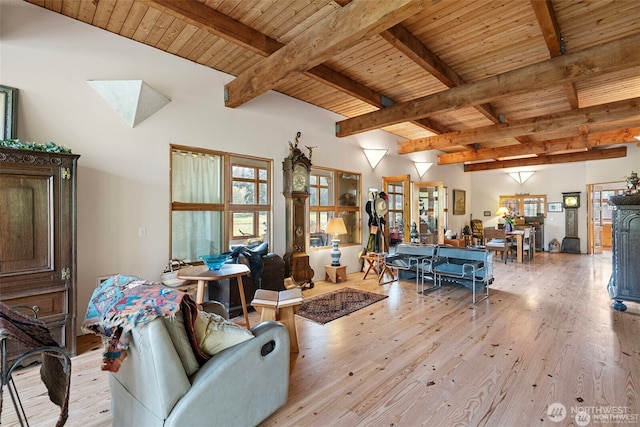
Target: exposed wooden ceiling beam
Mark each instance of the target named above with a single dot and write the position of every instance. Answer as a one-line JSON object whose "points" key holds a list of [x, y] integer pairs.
{"points": [[610, 153], [220, 25], [601, 139], [328, 37], [400, 38], [604, 58], [207, 19], [546, 17], [620, 110], [543, 10]]}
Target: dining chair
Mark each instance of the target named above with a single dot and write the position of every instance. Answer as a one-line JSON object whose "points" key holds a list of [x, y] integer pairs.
{"points": [[497, 241], [527, 243]]}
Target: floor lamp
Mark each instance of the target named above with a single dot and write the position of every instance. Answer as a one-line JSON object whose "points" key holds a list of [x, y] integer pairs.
{"points": [[335, 226]]}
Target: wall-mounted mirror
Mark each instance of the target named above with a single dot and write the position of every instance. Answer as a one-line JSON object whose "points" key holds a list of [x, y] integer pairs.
{"points": [[8, 112]]}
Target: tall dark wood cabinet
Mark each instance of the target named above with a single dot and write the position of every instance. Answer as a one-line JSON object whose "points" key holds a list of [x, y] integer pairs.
{"points": [[624, 284], [38, 238]]}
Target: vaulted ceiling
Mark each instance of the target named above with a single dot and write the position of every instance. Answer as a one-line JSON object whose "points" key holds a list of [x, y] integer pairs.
{"points": [[488, 83]]}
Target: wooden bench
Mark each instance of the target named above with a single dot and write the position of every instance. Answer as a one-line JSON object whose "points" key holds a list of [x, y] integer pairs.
{"points": [[472, 268]]}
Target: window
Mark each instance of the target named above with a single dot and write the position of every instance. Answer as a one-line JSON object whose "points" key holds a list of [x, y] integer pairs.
{"points": [[203, 219], [249, 197], [525, 205], [325, 184], [396, 205]]}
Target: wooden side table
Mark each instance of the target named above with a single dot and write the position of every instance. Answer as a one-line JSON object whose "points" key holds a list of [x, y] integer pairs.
{"points": [[202, 274], [280, 306], [335, 273]]}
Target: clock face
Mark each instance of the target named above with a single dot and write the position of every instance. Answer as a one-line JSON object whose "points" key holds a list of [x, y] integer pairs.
{"points": [[571, 201], [299, 178]]}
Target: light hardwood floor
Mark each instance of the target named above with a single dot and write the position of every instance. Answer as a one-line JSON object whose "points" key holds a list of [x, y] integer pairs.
{"points": [[546, 335]]}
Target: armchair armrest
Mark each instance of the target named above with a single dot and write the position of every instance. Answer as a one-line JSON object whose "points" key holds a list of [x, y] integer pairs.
{"points": [[228, 384]]}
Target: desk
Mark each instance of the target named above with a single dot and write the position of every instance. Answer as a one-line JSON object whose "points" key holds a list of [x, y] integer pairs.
{"points": [[202, 274]]}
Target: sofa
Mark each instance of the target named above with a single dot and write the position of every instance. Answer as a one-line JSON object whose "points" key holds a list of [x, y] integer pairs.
{"points": [[239, 386]]}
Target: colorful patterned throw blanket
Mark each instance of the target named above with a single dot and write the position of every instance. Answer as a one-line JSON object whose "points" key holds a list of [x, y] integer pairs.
{"points": [[33, 334], [122, 303]]}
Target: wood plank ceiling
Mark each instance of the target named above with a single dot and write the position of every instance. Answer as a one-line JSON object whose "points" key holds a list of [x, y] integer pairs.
{"points": [[488, 83]]}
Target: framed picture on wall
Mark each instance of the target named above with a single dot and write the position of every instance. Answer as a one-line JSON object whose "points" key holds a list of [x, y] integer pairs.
{"points": [[554, 207], [459, 197], [487, 213], [8, 112]]}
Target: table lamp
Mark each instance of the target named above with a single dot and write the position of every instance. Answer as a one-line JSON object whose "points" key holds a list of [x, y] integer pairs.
{"points": [[335, 226]]}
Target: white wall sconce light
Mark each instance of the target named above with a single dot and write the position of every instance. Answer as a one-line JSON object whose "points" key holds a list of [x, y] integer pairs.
{"points": [[374, 155], [133, 100], [422, 167], [521, 177]]}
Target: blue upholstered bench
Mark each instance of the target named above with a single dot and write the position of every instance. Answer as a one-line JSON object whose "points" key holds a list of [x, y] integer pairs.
{"points": [[413, 260], [472, 268]]}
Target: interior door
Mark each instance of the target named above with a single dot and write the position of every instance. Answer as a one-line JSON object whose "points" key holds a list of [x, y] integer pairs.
{"points": [[398, 188], [595, 219], [428, 204]]}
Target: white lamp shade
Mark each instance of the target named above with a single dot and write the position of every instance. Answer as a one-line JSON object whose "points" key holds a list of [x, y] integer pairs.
{"points": [[336, 226], [502, 210]]}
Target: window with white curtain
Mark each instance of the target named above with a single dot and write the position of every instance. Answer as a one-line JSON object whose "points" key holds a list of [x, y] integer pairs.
{"points": [[203, 219]]}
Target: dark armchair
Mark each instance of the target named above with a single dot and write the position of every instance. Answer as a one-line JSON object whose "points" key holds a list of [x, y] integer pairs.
{"points": [[267, 272]]}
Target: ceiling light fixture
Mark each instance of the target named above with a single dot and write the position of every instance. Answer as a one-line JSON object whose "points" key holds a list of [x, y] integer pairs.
{"points": [[374, 155], [422, 167], [521, 177]]}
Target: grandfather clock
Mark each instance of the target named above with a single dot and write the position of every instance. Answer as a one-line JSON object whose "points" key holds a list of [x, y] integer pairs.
{"points": [[571, 203], [297, 170]]}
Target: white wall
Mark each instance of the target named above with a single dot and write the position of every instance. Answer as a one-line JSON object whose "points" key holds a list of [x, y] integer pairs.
{"points": [[123, 178], [487, 186]]}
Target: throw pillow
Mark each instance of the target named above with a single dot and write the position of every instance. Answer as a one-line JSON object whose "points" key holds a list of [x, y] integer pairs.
{"points": [[175, 328], [216, 334]]}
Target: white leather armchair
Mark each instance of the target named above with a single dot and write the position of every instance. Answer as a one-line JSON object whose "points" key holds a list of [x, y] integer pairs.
{"points": [[240, 386]]}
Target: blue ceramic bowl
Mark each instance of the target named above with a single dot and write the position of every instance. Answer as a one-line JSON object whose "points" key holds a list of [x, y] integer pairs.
{"points": [[215, 261]]}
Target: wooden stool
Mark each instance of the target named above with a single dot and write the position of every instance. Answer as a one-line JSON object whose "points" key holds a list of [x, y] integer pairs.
{"points": [[376, 263], [335, 273], [281, 307]]}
